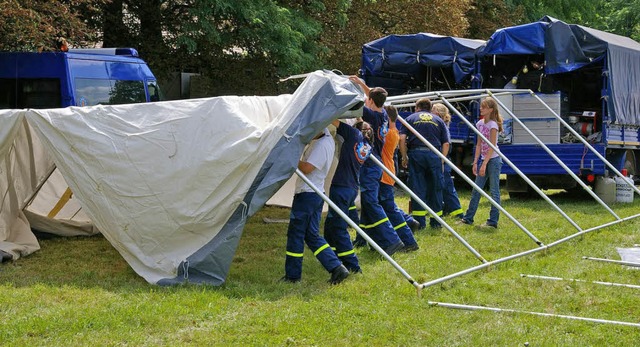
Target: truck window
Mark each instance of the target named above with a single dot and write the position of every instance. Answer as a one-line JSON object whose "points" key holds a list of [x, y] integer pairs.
{"points": [[91, 92], [29, 93]]}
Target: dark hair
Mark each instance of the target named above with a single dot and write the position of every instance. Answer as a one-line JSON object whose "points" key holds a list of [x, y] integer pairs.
{"points": [[423, 104], [378, 95], [368, 133], [392, 112]]}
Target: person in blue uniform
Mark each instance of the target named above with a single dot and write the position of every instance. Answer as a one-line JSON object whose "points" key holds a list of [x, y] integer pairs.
{"points": [[451, 203], [306, 210], [425, 166], [355, 150], [373, 219]]}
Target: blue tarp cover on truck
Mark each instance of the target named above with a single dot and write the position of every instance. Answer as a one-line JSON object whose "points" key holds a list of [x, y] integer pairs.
{"points": [[568, 47], [410, 53]]}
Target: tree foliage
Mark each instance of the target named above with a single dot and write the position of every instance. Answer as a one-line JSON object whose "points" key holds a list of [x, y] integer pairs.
{"points": [[35, 24], [624, 17], [369, 20], [244, 46], [485, 16]]}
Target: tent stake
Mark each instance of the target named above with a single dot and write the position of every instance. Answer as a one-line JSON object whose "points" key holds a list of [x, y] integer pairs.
{"points": [[495, 309], [575, 280]]}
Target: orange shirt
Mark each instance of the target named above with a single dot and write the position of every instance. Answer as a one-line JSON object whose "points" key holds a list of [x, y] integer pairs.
{"points": [[390, 145]]}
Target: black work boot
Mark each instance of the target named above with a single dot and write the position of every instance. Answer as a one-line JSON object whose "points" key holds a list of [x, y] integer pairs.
{"points": [[338, 274]]}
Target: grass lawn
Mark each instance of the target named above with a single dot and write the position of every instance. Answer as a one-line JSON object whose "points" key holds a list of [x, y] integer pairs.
{"points": [[80, 292]]}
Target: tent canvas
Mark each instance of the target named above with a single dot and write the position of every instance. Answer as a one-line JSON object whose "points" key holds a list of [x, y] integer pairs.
{"points": [[409, 54], [171, 184], [568, 47]]}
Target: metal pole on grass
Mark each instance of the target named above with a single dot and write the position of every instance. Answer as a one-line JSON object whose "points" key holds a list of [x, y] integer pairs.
{"points": [[438, 218], [555, 157], [472, 183], [495, 309], [587, 144], [358, 230], [628, 263], [512, 165], [613, 284]]}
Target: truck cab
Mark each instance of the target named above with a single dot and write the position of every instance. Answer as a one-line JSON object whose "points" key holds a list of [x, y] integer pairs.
{"points": [[80, 77]]}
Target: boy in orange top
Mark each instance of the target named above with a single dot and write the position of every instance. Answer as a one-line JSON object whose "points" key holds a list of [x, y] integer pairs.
{"points": [[386, 193]]}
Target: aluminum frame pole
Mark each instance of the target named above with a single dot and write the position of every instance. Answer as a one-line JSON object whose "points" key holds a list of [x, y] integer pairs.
{"points": [[620, 262], [423, 204], [555, 157], [509, 310], [473, 184], [514, 167], [357, 228], [521, 254], [613, 284], [587, 144]]}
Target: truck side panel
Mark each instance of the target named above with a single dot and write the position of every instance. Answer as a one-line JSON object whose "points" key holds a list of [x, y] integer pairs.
{"points": [[534, 160]]}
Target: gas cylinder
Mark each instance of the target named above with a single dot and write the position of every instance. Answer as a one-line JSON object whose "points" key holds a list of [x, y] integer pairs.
{"points": [[624, 191], [605, 189]]}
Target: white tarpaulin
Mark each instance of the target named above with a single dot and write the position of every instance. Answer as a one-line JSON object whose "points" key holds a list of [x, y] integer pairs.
{"points": [[171, 184]]}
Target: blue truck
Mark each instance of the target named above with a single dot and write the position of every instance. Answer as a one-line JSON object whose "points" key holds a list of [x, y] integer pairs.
{"points": [[82, 77], [588, 77]]}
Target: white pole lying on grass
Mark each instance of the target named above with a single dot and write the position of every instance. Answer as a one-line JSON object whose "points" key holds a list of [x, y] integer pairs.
{"points": [[495, 309], [628, 263], [358, 230], [522, 254], [438, 218], [575, 280]]}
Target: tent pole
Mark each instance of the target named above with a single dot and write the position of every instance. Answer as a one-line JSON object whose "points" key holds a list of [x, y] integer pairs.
{"points": [[575, 280], [471, 182], [521, 254], [628, 263], [511, 164], [357, 228], [28, 201], [438, 218], [554, 156], [495, 309]]}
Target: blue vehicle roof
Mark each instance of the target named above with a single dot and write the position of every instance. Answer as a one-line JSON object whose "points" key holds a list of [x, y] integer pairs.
{"points": [[409, 53], [568, 47]]}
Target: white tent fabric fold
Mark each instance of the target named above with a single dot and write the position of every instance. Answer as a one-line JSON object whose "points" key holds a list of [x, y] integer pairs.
{"points": [[171, 184]]}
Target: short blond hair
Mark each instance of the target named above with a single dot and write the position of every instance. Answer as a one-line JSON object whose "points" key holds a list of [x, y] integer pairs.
{"points": [[442, 111]]}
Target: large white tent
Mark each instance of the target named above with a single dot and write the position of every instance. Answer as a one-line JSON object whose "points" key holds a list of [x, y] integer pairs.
{"points": [[169, 184]]}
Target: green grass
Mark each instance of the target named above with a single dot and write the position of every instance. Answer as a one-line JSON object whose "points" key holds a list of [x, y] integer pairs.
{"points": [[80, 292]]}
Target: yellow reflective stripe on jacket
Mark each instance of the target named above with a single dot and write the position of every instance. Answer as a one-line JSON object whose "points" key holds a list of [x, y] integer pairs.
{"points": [[399, 226], [374, 224], [346, 253], [352, 207], [439, 213], [297, 255], [419, 213], [325, 246]]}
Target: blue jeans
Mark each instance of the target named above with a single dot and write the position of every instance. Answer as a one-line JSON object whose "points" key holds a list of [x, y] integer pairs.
{"points": [[492, 175], [426, 181]]}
